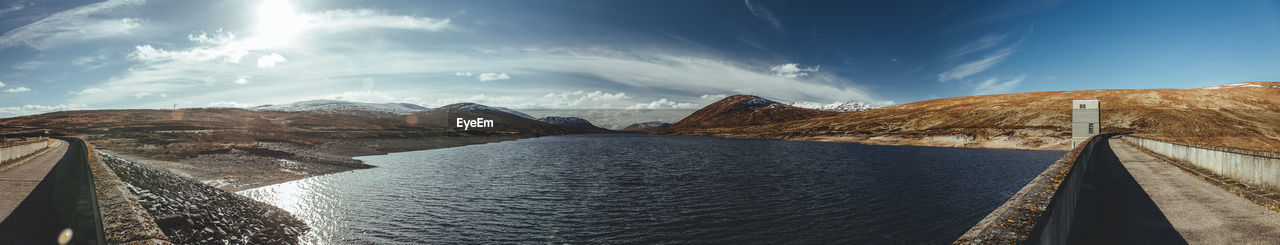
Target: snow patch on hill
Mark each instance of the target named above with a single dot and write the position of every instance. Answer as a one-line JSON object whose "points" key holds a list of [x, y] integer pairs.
{"points": [[845, 106], [479, 107], [343, 107]]}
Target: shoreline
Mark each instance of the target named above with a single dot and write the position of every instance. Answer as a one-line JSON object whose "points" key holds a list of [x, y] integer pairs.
{"points": [[950, 141], [269, 163]]}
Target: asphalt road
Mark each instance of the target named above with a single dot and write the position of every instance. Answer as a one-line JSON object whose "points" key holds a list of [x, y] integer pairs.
{"points": [[48, 194], [1134, 198]]}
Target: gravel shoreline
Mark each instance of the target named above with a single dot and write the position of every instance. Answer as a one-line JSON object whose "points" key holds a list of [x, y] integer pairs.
{"points": [[191, 212]]}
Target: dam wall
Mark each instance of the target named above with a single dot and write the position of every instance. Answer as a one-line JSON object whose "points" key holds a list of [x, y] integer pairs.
{"points": [[1257, 168], [1041, 212], [124, 220], [11, 153]]}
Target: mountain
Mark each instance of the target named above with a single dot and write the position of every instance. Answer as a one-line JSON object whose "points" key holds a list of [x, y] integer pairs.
{"points": [[514, 112], [1240, 115], [846, 106], [740, 111], [573, 122], [344, 108], [647, 127], [502, 120]]}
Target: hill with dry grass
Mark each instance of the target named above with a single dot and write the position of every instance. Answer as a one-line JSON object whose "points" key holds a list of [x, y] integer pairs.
{"points": [[237, 148], [741, 111], [1240, 115]]}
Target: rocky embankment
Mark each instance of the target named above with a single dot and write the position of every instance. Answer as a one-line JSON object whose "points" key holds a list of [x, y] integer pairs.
{"points": [[190, 212]]}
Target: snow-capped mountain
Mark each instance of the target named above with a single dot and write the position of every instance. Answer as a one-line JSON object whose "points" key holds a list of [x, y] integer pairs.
{"points": [[344, 107], [647, 127], [575, 122], [846, 106], [479, 107]]}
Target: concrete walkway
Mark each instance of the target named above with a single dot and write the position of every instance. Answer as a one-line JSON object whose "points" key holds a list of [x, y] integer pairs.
{"points": [[17, 182], [1138, 199], [63, 198]]}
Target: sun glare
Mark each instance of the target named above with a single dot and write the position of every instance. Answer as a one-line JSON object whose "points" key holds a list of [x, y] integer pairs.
{"points": [[278, 23]]}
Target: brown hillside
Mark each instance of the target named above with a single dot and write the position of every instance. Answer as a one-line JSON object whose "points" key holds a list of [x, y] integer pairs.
{"points": [[739, 111], [237, 149], [1242, 115]]}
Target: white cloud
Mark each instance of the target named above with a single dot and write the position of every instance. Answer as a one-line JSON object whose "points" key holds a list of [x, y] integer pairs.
{"points": [[36, 109], [462, 74], [713, 96], [792, 70], [17, 90], [224, 47], [80, 23], [973, 67], [88, 91], [663, 104], [139, 95], [764, 14], [228, 104], [363, 19], [268, 61], [242, 80], [1, 84], [489, 76], [995, 86]]}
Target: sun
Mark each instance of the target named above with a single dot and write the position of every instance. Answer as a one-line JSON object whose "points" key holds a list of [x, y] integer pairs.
{"points": [[278, 23]]}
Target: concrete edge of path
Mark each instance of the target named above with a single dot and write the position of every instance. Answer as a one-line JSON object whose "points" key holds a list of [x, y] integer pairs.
{"points": [[1262, 197]]}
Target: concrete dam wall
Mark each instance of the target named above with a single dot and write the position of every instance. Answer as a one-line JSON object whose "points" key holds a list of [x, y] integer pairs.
{"points": [[15, 152], [1252, 167], [1042, 211]]}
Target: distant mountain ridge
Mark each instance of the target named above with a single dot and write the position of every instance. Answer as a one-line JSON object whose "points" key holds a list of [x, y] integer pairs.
{"points": [[575, 122], [345, 108], [647, 127], [741, 110]]}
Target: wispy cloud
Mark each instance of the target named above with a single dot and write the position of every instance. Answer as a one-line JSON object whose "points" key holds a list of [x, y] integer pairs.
{"points": [[36, 109], [17, 90], [80, 23], [663, 104], [362, 19], [792, 70], [986, 62], [974, 67], [764, 14], [998, 86], [983, 43], [490, 76]]}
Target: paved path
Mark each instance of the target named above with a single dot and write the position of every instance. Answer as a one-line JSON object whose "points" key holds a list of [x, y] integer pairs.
{"points": [[61, 198], [17, 182], [1138, 199]]}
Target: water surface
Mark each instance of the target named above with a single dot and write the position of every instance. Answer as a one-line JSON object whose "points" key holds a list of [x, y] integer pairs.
{"points": [[625, 188]]}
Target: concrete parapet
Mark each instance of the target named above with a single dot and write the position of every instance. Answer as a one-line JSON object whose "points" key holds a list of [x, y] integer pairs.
{"points": [[124, 221], [11, 153], [1257, 168], [1041, 212]]}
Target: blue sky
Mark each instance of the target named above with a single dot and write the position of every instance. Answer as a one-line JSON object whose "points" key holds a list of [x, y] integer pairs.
{"points": [[613, 54]]}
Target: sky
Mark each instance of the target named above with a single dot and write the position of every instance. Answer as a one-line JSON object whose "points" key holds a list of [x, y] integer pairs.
{"points": [[652, 54]]}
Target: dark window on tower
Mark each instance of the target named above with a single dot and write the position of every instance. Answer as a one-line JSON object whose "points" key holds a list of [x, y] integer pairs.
{"points": [[1081, 106]]}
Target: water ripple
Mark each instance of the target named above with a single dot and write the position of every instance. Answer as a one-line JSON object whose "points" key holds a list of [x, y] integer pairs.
{"points": [[659, 190]]}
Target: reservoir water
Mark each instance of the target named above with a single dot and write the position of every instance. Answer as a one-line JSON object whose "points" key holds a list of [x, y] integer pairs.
{"points": [[627, 188]]}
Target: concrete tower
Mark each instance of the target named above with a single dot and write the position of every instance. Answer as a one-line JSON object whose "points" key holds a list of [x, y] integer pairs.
{"points": [[1086, 120]]}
